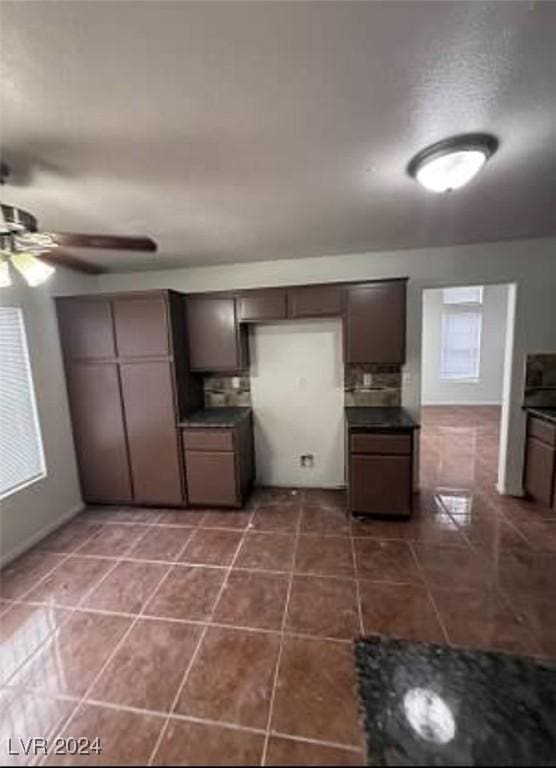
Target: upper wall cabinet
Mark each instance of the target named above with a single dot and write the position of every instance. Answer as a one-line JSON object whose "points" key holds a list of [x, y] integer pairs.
{"points": [[315, 301], [375, 322], [141, 324], [86, 328], [216, 340], [261, 305]]}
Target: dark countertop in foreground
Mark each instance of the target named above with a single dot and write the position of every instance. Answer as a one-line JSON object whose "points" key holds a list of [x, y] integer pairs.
{"points": [[224, 417], [433, 705], [394, 419], [543, 413]]}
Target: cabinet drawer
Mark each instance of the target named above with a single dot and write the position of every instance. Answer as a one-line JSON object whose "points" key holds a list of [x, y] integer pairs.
{"points": [[381, 444], [542, 430], [211, 478], [208, 439]]}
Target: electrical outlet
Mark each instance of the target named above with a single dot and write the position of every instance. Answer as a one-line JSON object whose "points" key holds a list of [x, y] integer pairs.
{"points": [[307, 460], [367, 380], [235, 382]]}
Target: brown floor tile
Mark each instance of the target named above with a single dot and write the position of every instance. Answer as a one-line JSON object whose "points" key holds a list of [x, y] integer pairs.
{"points": [[226, 518], [280, 518], [267, 495], [266, 551], [324, 555], [24, 716], [231, 678], [147, 670], [112, 540], [161, 542], [70, 536], [127, 587], [188, 517], [189, 743], [188, 592], [433, 529], [70, 660], [253, 599], [537, 612], [324, 520], [68, 584], [481, 620], [19, 576], [126, 738], [315, 695], [399, 610], [491, 534], [386, 560], [330, 498], [23, 629], [211, 547], [454, 567], [524, 570], [283, 751], [323, 606], [540, 534], [122, 514]]}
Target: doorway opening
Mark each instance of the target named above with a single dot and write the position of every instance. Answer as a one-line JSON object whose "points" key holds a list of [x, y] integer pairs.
{"points": [[467, 342]]}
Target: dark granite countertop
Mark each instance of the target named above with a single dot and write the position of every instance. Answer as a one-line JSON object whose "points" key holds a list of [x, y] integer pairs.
{"points": [[394, 419], [549, 414], [224, 417], [432, 705]]}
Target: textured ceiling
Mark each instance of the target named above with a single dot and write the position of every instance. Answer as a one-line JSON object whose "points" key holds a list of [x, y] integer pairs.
{"points": [[243, 131]]}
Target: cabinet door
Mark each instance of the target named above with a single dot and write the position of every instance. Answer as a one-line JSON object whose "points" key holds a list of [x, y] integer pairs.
{"points": [[86, 328], [141, 325], [539, 470], [211, 478], [315, 301], [152, 432], [99, 433], [214, 343], [380, 485], [375, 323], [260, 305]]}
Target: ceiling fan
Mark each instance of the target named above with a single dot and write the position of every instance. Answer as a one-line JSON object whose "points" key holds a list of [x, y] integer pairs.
{"points": [[35, 254]]}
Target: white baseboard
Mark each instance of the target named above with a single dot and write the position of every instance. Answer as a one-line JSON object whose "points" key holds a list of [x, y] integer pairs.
{"points": [[506, 490], [39, 535]]}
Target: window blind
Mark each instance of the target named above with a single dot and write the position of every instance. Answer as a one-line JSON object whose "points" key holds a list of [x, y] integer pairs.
{"points": [[460, 345], [21, 452], [469, 294]]}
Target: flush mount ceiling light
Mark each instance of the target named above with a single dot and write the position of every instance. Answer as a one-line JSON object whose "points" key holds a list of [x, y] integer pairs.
{"points": [[452, 163]]}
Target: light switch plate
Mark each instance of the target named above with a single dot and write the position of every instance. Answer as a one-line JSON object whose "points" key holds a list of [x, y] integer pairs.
{"points": [[235, 382], [367, 379]]}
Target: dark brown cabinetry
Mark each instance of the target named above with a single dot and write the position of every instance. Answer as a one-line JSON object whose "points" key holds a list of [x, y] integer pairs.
{"points": [[375, 319], [540, 461], [315, 301], [219, 464], [380, 472], [125, 408], [262, 305], [216, 340]]}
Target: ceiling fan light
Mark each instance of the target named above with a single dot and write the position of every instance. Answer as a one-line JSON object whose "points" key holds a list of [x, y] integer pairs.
{"points": [[5, 277], [452, 163], [34, 271]]}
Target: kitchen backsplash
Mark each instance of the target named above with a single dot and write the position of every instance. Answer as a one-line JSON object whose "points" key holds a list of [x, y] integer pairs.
{"points": [[383, 389], [540, 380], [220, 391]]}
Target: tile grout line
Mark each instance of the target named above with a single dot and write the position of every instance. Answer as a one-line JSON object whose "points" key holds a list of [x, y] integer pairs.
{"points": [[116, 648], [197, 648], [357, 589], [430, 594], [282, 636]]}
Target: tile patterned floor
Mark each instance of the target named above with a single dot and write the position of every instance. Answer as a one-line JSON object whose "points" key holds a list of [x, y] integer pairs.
{"points": [[225, 637]]}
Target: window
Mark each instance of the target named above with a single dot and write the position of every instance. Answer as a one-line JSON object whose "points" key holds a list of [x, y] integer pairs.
{"points": [[21, 452], [461, 346], [471, 294]]}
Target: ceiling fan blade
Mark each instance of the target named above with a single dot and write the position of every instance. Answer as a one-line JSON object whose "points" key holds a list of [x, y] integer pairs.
{"points": [[61, 258], [108, 242]]}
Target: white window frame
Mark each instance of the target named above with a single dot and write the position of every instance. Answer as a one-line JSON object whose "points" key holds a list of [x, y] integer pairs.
{"points": [[42, 472], [468, 302]]}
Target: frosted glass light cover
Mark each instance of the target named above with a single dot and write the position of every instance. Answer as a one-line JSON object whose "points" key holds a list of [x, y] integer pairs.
{"points": [[32, 269], [450, 171]]}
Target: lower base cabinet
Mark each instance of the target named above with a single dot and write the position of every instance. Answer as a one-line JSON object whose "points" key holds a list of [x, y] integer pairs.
{"points": [[539, 477]]}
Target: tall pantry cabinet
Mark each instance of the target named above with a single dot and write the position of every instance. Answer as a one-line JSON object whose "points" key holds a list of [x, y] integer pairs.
{"points": [[128, 384]]}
